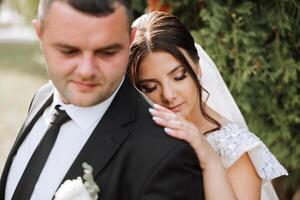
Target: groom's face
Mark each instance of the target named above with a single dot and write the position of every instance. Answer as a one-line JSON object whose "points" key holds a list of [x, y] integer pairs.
{"points": [[86, 55]]}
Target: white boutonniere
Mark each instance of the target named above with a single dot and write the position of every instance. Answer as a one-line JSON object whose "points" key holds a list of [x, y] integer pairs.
{"points": [[84, 188]]}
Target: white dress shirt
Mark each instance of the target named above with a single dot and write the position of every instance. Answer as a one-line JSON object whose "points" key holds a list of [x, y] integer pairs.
{"points": [[71, 139]]}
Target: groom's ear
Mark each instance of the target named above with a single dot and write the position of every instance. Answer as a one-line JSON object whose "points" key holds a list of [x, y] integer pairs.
{"points": [[38, 27]]}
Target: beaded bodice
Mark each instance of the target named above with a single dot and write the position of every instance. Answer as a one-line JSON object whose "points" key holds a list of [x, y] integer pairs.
{"points": [[233, 140]]}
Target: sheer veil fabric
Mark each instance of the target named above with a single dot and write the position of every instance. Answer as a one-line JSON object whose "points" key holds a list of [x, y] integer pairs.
{"points": [[221, 100]]}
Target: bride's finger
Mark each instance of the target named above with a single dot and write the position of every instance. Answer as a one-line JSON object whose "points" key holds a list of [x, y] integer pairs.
{"points": [[178, 134], [192, 138], [174, 124], [187, 136], [161, 108], [162, 114], [173, 118]]}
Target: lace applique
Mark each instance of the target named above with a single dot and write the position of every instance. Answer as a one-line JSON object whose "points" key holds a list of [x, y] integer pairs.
{"points": [[233, 140]]}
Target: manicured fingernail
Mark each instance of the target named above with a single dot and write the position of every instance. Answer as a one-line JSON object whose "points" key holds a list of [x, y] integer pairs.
{"points": [[167, 130], [152, 110]]}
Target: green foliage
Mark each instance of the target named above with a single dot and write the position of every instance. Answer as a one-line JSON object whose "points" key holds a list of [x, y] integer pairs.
{"points": [[139, 5], [24, 57], [187, 11], [27, 8]]}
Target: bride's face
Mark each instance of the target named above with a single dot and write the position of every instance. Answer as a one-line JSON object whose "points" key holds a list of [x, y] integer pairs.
{"points": [[166, 82]]}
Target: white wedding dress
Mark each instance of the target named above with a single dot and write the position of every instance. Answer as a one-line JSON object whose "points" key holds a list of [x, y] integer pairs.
{"points": [[234, 139]]}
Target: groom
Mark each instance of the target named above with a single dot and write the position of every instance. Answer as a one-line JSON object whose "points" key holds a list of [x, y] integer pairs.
{"points": [[90, 112]]}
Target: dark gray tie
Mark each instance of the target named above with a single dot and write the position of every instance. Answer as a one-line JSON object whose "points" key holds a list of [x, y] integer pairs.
{"points": [[39, 157]]}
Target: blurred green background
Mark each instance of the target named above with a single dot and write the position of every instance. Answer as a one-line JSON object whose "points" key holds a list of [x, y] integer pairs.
{"points": [[255, 44]]}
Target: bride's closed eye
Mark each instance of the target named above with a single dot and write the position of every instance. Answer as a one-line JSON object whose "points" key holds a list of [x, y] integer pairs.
{"points": [[147, 88], [180, 75]]}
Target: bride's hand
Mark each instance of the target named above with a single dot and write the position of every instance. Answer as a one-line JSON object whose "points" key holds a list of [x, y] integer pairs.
{"points": [[177, 126]]}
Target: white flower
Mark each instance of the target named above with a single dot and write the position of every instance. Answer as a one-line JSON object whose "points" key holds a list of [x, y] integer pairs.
{"points": [[73, 190], [76, 189]]}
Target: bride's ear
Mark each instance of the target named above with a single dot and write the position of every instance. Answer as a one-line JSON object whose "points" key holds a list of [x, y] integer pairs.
{"points": [[132, 34], [198, 71]]}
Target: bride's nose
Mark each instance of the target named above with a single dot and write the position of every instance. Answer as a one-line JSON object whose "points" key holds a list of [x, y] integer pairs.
{"points": [[168, 94]]}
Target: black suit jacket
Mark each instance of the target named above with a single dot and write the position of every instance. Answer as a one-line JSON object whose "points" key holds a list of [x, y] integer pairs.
{"points": [[132, 158]]}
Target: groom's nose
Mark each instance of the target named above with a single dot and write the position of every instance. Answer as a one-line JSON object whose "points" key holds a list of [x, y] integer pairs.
{"points": [[87, 66]]}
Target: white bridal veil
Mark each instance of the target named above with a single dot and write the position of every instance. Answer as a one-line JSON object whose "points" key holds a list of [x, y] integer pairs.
{"points": [[220, 98]]}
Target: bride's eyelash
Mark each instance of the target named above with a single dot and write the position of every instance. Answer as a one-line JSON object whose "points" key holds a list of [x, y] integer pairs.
{"points": [[182, 76], [147, 89]]}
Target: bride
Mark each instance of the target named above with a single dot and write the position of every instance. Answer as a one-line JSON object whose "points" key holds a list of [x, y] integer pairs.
{"points": [[164, 65]]}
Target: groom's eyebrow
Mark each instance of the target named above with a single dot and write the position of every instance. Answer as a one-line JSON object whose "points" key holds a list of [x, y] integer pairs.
{"points": [[101, 49], [112, 47], [63, 46]]}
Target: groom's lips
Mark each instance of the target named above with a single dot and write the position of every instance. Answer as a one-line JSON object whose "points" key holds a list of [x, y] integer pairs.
{"points": [[84, 86]]}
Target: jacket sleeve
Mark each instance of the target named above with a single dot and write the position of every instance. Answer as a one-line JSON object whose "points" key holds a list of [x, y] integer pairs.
{"points": [[176, 177]]}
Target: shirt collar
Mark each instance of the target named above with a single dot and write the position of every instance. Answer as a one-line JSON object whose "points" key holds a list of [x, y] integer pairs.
{"points": [[85, 117]]}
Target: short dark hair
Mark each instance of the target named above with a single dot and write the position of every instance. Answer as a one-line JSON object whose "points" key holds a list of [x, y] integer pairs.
{"points": [[161, 31], [91, 7]]}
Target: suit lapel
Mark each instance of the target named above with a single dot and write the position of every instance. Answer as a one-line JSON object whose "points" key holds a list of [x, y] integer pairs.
{"points": [[42, 102], [109, 134], [99, 149]]}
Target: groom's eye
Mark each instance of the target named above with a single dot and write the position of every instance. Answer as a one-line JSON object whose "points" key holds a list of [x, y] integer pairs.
{"points": [[69, 52], [107, 53]]}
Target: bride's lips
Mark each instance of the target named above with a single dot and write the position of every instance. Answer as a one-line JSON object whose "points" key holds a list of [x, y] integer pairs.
{"points": [[84, 86], [176, 108]]}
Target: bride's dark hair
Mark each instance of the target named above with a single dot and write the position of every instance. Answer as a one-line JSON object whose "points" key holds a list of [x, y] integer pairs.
{"points": [[161, 31]]}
